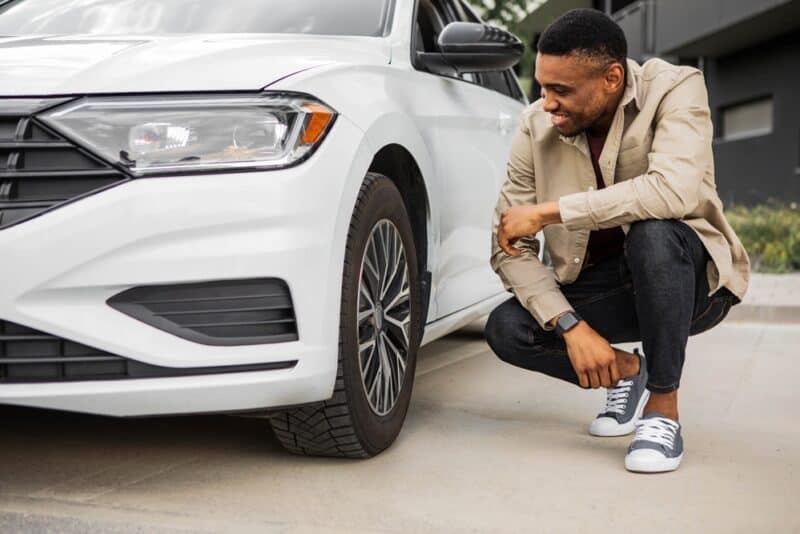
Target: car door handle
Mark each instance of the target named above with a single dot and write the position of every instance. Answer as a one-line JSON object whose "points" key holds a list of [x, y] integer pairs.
{"points": [[504, 123]]}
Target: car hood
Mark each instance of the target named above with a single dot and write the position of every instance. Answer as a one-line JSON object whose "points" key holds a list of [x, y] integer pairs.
{"points": [[68, 65]]}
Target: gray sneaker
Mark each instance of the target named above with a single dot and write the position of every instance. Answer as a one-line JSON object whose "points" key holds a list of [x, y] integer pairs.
{"points": [[657, 446], [624, 405]]}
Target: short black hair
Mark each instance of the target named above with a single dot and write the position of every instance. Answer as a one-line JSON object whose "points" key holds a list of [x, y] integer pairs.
{"points": [[586, 32]]}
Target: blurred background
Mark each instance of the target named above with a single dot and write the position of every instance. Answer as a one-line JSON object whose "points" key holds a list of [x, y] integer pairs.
{"points": [[749, 52]]}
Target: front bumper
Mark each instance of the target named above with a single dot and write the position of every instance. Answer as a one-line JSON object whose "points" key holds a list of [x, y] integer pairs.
{"points": [[59, 269], [183, 395]]}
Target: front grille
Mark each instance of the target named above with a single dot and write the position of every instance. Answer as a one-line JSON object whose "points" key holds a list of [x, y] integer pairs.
{"points": [[226, 312], [28, 355], [40, 169]]}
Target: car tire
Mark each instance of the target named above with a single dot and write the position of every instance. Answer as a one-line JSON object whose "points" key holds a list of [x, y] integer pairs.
{"points": [[367, 410]]}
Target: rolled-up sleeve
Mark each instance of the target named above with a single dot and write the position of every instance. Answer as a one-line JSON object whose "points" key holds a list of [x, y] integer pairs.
{"points": [[670, 189], [525, 276]]}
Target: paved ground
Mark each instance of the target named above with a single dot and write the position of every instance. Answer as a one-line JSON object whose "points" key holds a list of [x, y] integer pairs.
{"points": [[486, 448]]}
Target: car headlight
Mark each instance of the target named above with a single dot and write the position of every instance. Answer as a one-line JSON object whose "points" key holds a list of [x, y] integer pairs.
{"points": [[167, 134]]}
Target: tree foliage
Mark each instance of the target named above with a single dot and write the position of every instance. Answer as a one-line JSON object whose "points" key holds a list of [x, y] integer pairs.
{"points": [[504, 13]]}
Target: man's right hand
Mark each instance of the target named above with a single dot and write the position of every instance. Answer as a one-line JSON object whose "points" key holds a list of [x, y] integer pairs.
{"points": [[592, 357]]}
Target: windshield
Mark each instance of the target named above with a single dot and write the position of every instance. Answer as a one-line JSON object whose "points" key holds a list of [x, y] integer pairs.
{"points": [[118, 17]]}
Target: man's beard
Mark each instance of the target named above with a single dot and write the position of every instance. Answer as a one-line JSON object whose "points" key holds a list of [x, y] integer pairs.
{"points": [[571, 134], [578, 125], [575, 132]]}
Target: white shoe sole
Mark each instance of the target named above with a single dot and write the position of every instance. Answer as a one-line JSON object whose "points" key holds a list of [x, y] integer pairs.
{"points": [[651, 465], [610, 428]]}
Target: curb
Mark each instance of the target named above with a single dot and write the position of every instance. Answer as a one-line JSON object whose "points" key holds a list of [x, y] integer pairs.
{"points": [[765, 314]]}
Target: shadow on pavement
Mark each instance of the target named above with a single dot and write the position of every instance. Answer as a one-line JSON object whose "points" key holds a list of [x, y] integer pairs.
{"points": [[42, 431]]}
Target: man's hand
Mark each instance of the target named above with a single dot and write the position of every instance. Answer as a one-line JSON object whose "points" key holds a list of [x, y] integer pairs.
{"points": [[592, 357], [521, 221], [517, 222]]}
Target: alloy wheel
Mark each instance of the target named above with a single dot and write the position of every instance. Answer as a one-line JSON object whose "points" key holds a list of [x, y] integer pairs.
{"points": [[384, 317]]}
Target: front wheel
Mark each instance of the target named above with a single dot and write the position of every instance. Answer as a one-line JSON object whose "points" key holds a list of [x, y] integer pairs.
{"points": [[379, 330]]}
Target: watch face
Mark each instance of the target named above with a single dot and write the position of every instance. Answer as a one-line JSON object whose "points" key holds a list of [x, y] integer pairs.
{"points": [[567, 321]]}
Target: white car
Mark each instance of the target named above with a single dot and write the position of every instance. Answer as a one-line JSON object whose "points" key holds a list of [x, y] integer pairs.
{"points": [[245, 205]]}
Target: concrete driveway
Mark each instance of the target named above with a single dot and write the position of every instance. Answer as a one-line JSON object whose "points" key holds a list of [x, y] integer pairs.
{"points": [[486, 448]]}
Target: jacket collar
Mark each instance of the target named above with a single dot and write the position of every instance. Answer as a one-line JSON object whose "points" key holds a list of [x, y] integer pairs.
{"points": [[632, 86]]}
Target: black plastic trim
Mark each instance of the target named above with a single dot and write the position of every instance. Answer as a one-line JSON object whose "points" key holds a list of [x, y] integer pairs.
{"points": [[215, 313], [31, 356], [137, 371]]}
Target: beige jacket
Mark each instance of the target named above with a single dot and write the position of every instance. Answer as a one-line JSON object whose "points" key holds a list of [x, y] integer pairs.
{"points": [[656, 163]]}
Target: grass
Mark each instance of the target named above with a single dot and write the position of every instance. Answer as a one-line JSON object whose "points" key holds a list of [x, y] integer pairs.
{"points": [[770, 234]]}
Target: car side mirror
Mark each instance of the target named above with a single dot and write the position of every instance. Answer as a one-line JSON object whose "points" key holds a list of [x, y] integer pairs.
{"points": [[472, 47]]}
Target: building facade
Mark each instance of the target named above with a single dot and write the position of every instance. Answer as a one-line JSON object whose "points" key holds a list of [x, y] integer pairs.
{"points": [[749, 51]]}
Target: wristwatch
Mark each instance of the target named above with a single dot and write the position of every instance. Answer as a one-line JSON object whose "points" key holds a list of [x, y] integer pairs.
{"points": [[567, 322]]}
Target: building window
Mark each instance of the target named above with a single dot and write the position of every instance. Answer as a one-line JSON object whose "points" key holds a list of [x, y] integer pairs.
{"points": [[749, 119]]}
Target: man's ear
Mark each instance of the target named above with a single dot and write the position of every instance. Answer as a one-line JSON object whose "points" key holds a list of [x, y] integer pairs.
{"points": [[614, 77]]}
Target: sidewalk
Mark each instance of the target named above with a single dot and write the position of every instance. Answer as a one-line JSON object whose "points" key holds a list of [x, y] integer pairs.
{"points": [[771, 298]]}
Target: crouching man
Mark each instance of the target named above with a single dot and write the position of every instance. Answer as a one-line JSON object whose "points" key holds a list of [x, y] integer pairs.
{"points": [[614, 163]]}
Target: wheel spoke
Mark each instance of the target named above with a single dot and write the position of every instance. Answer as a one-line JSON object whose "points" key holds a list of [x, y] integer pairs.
{"points": [[363, 291], [399, 263], [402, 295], [398, 301], [402, 326], [400, 361], [374, 255], [371, 274], [374, 389], [385, 237], [386, 264], [365, 314], [386, 376], [369, 345]]}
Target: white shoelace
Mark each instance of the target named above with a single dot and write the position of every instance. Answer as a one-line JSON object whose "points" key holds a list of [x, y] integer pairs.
{"points": [[617, 397], [657, 430]]}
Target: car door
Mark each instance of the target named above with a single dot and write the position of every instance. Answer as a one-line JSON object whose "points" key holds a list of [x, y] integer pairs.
{"points": [[468, 122]]}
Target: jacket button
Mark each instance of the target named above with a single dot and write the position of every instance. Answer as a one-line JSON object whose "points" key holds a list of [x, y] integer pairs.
{"points": [[577, 260]]}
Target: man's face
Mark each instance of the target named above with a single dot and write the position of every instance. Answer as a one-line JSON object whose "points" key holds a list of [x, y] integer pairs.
{"points": [[575, 90]]}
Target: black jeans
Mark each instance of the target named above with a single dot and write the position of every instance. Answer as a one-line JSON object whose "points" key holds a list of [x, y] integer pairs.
{"points": [[655, 292]]}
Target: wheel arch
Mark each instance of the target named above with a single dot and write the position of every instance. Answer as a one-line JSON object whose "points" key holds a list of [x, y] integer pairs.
{"points": [[398, 164]]}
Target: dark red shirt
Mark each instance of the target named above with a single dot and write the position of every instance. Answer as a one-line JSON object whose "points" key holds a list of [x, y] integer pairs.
{"points": [[602, 243]]}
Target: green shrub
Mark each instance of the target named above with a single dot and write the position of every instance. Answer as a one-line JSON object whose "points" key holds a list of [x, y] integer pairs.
{"points": [[770, 234], [525, 82]]}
